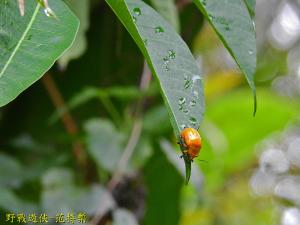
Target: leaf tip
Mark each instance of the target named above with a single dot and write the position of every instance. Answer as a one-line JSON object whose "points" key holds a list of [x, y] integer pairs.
{"points": [[187, 163], [254, 103]]}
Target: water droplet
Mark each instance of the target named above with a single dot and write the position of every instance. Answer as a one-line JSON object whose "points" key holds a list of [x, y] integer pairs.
{"points": [[250, 52], [137, 11], [49, 12], [211, 17], [195, 78], [182, 126], [180, 108], [187, 84], [193, 102], [166, 59], [196, 93], [181, 101], [193, 120], [146, 42], [172, 54], [159, 29], [166, 62], [134, 19], [204, 2], [186, 111]]}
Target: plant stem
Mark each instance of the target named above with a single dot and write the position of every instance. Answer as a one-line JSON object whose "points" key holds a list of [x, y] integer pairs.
{"points": [[66, 118]]}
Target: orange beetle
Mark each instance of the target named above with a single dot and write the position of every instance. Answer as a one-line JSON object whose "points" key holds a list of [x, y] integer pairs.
{"points": [[190, 141]]}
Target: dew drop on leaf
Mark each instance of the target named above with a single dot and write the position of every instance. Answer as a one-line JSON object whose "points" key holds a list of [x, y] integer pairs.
{"points": [[137, 11], [195, 78], [181, 101], [146, 42], [187, 83], [172, 54], [193, 120], [193, 103], [166, 59], [211, 17], [159, 29], [186, 111], [134, 19]]}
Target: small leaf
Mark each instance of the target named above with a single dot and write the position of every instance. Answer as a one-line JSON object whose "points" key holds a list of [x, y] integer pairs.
{"points": [[29, 45], [235, 28]]}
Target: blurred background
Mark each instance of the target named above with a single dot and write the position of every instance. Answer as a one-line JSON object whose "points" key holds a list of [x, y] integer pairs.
{"points": [[92, 136]]}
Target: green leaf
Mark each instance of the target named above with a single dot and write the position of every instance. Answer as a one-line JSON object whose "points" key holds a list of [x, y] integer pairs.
{"points": [[104, 143], [235, 28], [81, 9], [29, 45], [164, 185], [169, 58], [11, 171], [123, 217], [251, 7], [191, 171], [13, 203], [229, 143], [61, 195], [168, 10]]}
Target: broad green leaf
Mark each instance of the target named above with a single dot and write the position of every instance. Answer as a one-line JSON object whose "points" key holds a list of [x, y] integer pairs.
{"points": [[81, 9], [164, 185], [168, 10], [169, 58], [29, 45], [235, 28]]}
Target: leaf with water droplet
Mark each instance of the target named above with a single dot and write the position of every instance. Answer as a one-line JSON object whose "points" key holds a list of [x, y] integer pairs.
{"points": [[178, 78], [234, 26]]}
